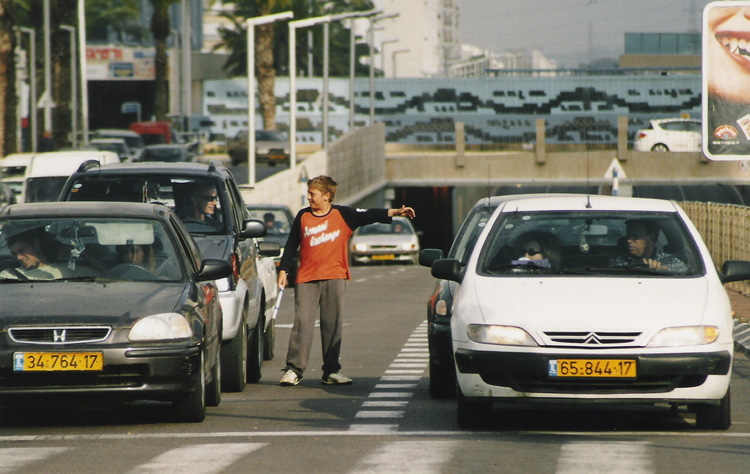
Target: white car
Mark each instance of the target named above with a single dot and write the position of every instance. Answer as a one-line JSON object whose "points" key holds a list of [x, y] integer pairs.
{"points": [[591, 321], [675, 134], [380, 243]]}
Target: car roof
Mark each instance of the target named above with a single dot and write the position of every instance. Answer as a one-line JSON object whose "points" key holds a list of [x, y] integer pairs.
{"points": [[90, 209], [586, 202], [675, 119], [157, 167], [116, 131]]}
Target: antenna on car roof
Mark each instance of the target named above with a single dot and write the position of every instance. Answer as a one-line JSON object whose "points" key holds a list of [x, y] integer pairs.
{"points": [[588, 179]]}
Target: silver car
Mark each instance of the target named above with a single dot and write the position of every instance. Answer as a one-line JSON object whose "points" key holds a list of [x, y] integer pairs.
{"points": [[395, 242]]}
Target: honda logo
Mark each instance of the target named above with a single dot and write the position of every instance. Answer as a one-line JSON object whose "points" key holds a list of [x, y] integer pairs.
{"points": [[58, 335]]}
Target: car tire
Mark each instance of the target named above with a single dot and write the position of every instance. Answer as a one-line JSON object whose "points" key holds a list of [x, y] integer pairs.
{"points": [[255, 352], [192, 407], [234, 360], [660, 147], [472, 414], [269, 336], [715, 417], [213, 388], [442, 381]]}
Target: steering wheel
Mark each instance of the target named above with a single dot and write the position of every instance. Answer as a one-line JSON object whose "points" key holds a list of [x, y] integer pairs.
{"points": [[129, 271]]}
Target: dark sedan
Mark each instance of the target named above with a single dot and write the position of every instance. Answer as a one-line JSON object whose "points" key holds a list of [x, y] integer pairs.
{"points": [[108, 300], [169, 153]]}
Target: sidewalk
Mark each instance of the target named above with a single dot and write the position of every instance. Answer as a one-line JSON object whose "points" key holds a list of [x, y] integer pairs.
{"points": [[741, 308]]}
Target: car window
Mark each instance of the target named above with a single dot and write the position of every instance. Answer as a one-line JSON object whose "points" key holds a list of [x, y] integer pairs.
{"points": [[277, 220], [180, 193], [586, 243], [396, 227], [71, 248], [673, 126], [44, 189], [469, 233]]}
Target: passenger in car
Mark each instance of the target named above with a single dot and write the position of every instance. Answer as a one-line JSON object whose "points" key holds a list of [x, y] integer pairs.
{"points": [[641, 250], [539, 248]]}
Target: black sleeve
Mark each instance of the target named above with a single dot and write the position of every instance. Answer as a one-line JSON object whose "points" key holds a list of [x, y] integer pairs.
{"points": [[358, 217], [292, 243]]}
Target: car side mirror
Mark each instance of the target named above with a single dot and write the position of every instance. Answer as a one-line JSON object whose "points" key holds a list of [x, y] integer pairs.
{"points": [[214, 269], [735, 270], [269, 249], [448, 269], [428, 256], [253, 228]]}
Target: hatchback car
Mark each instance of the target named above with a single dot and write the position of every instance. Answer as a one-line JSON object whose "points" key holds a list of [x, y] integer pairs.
{"points": [[675, 134], [378, 243], [271, 147], [278, 219], [108, 300], [226, 233], [556, 304]]}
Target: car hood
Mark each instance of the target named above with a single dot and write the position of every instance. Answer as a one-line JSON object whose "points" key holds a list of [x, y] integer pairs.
{"points": [[113, 303], [591, 304], [214, 246]]}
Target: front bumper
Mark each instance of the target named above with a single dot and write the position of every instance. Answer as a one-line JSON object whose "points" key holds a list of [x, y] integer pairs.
{"points": [[680, 376], [147, 373], [384, 257]]}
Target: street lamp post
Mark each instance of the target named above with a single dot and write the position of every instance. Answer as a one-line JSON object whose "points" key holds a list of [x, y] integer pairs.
{"points": [[251, 23], [393, 58], [84, 75], [73, 88], [47, 70], [382, 52], [175, 86], [371, 39], [32, 79]]}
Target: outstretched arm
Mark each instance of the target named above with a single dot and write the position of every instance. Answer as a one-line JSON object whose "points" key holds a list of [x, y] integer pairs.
{"points": [[403, 211]]}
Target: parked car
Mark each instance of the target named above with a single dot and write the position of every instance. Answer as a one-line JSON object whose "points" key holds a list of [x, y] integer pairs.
{"points": [[174, 153], [13, 169], [271, 147], [103, 324], [278, 219], [394, 242], [134, 141], [585, 324], [674, 134], [116, 145], [229, 235]]}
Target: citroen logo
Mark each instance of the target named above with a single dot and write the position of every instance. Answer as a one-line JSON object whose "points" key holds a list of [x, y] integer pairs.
{"points": [[58, 335], [592, 339]]}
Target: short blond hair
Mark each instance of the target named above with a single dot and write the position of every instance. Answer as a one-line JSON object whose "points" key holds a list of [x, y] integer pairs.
{"points": [[325, 184]]}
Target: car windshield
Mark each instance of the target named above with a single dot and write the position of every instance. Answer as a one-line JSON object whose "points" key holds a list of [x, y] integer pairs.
{"points": [[396, 227], [585, 243], [44, 189], [162, 154], [86, 249], [269, 136], [276, 220], [195, 200]]}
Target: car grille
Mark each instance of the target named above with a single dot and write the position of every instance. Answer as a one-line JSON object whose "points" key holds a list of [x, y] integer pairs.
{"points": [[591, 340], [60, 334], [383, 247]]}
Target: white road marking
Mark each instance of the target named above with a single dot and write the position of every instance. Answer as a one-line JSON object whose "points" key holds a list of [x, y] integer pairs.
{"points": [[585, 457], [385, 404], [380, 414], [390, 395], [198, 459], [404, 372], [14, 459], [391, 386], [379, 429], [408, 456]]}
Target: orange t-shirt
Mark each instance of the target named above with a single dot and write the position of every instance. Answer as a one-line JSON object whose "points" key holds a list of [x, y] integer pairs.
{"points": [[323, 240]]}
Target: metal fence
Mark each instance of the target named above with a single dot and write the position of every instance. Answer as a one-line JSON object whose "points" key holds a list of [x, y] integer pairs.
{"points": [[725, 228]]}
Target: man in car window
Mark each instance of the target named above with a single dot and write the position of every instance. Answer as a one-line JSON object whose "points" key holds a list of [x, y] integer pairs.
{"points": [[641, 237], [27, 247]]}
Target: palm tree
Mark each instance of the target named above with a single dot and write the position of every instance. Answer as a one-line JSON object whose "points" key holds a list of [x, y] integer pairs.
{"points": [[160, 30]]}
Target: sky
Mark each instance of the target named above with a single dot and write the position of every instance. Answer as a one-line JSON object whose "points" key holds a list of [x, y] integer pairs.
{"points": [[572, 32]]}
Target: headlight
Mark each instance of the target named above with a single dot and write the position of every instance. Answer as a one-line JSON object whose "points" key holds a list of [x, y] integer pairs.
{"points": [[159, 327], [360, 247], [685, 336], [408, 246], [503, 335]]}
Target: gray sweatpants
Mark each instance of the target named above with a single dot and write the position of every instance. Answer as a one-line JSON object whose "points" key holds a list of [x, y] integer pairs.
{"points": [[324, 298]]}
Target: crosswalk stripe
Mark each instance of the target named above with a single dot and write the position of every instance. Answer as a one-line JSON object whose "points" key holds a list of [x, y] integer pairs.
{"points": [[398, 457], [197, 459], [13, 459], [584, 457]]}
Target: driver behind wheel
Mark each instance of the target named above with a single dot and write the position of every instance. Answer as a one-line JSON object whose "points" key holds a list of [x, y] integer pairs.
{"points": [[640, 246], [141, 255]]}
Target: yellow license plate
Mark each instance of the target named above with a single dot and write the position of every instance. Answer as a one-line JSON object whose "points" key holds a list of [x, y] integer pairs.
{"points": [[389, 256], [602, 368], [57, 361]]}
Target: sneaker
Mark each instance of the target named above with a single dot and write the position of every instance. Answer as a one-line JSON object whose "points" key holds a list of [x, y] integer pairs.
{"points": [[336, 379], [290, 378]]}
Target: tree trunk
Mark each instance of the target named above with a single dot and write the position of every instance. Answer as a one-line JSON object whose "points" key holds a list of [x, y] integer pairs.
{"points": [[64, 12], [266, 74], [160, 30], [7, 81]]}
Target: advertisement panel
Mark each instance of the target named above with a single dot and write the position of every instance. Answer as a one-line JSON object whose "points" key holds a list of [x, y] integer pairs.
{"points": [[726, 80], [119, 63]]}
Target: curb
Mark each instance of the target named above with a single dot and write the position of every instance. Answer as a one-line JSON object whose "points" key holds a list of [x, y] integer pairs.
{"points": [[742, 337]]}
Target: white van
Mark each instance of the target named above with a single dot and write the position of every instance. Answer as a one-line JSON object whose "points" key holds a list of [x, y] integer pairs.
{"points": [[13, 169], [48, 172]]}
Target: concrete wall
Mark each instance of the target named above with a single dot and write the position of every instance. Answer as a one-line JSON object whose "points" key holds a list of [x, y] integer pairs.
{"points": [[356, 162]]}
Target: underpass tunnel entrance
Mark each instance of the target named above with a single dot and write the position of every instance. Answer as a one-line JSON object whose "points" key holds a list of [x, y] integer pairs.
{"points": [[434, 209]]}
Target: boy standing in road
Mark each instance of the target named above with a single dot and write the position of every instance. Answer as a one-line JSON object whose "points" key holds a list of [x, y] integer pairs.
{"points": [[321, 232]]}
